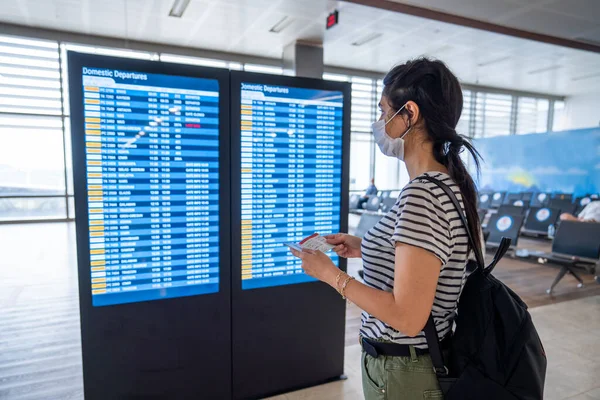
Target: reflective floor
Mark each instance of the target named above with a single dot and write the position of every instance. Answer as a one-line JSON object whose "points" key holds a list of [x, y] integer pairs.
{"points": [[40, 355]]}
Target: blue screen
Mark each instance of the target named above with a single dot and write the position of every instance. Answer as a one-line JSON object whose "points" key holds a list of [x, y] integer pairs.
{"points": [[291, 177], [152, 161]]}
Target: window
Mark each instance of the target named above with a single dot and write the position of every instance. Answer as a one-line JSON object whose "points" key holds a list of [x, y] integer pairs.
{"points": [[487, 113], [263, 69], [363, 104], [31, 156], [464, 123], [126, 53], [497, 111], [532, 115], [559, 122], [31, 208], [205, 62], [390, 173], [361, 152], [30, 72], [35, 145], [364, 164], [32, 170]]}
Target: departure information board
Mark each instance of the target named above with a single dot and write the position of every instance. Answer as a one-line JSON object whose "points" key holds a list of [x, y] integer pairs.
{"points": [[152, 161], [291, 177]]}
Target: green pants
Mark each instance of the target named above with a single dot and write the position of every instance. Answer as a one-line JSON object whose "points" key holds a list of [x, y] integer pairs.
{"points": [[395, 378]]}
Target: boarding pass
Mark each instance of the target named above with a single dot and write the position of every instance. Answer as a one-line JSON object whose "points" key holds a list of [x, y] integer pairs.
{"points": [[314, 242]]}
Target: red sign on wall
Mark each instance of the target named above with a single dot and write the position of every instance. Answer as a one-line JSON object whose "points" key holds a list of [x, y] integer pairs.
{"points": [[332, 20]]}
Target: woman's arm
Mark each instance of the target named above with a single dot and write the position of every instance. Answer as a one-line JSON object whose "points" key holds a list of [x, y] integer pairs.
{"points": [[407, 308]]}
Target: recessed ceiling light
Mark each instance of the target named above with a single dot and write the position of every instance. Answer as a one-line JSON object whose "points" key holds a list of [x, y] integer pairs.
{"points": [[282, 24], [366, 39], [583, 77], [545, 69], [494, 61], [178, 8]]}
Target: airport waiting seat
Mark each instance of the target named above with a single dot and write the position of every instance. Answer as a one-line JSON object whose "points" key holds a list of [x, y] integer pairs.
{"points": [[484, 201], [497, 199], [353, 202], [504, 225], [510, 198], [580, 239], [374, 203], [367, 221], [564, 205], [562, 196], [540, 200], [481, 214], [512, 210], [388, 203], [486, 236], [521, 203], [395, 193], [581, 202], [575, 243], [384, 194], [539, 219]]}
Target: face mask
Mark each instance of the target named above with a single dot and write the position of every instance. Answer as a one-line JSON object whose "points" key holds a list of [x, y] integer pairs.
{"points": [[388, 146]]}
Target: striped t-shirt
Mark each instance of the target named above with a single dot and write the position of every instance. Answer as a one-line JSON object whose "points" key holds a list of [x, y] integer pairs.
{"points": [[423, 216]]}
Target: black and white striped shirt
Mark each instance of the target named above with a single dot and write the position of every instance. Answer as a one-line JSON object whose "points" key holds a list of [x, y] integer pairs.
{"points": [[423, 216]]}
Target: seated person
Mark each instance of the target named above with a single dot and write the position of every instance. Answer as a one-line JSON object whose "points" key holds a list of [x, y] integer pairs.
{"points": [[591, 213], [371, 191]]}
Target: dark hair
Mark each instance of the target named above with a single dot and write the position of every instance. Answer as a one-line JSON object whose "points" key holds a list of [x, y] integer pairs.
{"points": [[431, 85]]}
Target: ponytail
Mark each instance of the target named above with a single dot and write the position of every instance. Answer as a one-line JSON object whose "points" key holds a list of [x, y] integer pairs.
{"points": [[459, 173]]}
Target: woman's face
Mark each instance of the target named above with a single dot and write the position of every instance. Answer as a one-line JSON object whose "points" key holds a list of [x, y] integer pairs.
{"points": [[396, 125]]}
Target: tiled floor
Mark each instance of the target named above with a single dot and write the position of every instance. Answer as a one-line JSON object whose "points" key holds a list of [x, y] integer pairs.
{"points": [[569, 330]]}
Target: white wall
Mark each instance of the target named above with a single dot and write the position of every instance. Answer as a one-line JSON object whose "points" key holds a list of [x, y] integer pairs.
{"points": [[582, 111]]}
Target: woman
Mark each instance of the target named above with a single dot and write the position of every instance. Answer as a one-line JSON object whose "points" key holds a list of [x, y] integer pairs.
{"points": [[415, 257]]}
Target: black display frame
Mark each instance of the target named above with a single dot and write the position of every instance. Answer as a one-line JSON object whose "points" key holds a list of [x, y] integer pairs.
{"points": [[160, 349], [291, 336]]}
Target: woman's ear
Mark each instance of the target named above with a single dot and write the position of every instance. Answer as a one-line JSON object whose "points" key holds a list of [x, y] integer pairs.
{"points": [[413, 111]]}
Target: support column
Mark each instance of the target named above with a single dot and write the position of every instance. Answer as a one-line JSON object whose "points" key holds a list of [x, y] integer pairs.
{"points": [[303, 59]]}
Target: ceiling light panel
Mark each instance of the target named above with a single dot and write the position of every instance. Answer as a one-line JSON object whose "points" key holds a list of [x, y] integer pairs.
{"points": [[584, 77], [494, 61], [367, 38], [281, 24], [545, 69], [178, 8]]}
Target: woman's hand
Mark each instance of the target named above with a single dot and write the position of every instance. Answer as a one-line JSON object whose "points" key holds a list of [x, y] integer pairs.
{"points": [[317, 265], [346, 246]]}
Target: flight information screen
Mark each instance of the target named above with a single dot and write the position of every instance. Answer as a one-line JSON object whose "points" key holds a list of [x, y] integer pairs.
{"points": [[291, 177], [152, 160]]}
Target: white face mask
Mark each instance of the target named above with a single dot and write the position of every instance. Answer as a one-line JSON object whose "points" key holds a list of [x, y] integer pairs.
{"points": [[388, 146]]}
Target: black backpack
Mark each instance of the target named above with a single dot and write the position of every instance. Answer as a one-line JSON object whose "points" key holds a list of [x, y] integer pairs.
{"points": [[495, 352]]}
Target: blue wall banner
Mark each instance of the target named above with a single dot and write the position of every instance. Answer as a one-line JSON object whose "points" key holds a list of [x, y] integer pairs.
{"points": [[567, 161]]}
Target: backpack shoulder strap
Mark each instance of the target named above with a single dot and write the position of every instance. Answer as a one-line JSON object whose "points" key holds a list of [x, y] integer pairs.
{"points": [[430, 331], [431, 335], [474, 246]]}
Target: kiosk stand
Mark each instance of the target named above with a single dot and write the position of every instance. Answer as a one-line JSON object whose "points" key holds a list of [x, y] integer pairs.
{"points": [[290, 148], [152, 216]]}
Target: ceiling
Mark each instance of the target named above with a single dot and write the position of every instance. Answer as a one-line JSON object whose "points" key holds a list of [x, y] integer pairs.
{"points": [[242, 26], [567, 19]]}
